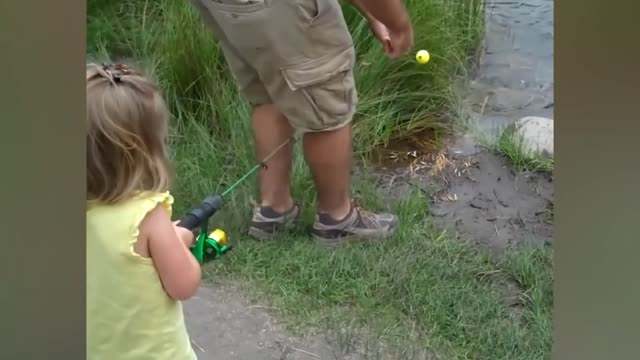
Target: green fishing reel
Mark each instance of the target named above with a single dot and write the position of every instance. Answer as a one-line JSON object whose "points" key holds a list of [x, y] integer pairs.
{"points": [[210, 246]]}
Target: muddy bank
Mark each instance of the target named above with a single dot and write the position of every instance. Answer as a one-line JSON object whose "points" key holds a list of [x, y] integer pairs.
{"points": [[478, 195], [476, 192], [487, 202]]}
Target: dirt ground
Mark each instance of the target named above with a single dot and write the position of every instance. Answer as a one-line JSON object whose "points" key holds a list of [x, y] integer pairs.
{"points": [[478, 195], [490, 203], [224, 325]]}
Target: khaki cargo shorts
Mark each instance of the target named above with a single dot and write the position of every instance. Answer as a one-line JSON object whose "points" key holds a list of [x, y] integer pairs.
{"points": [[296, 54]]}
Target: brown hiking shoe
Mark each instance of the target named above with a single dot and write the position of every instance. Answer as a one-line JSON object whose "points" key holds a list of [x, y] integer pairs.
{"points": [[360, 224], [266, 221]]}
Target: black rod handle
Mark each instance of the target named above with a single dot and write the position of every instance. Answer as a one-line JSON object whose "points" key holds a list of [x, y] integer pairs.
{"points": [[202, 213]]}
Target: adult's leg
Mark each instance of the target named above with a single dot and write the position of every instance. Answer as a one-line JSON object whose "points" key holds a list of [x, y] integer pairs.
{"points": [[312, 83], [323, 107], [338, 221], [277, 209], [271, 129], [328, 154]]}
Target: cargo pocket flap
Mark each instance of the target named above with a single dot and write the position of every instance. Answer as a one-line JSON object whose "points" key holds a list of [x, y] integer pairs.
{"points": [[318, 70]]}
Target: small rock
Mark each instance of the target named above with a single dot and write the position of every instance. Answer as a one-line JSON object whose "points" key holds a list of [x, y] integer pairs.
{"points": [[439, 212], [480, 202], [536, 134]]}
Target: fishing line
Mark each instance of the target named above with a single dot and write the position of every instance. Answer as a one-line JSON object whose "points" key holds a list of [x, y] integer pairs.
{"points": [[261, 164]]}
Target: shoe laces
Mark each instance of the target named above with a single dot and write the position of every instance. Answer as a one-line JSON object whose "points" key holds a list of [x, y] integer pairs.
{"points": [[364, 216]]}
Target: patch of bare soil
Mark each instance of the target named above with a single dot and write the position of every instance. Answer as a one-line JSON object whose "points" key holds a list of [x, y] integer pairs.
{"points": [[477, 194], [225, 325], [489, 203]]}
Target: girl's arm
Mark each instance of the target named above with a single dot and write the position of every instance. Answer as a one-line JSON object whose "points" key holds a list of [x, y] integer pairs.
{"points": [[177, 267]]}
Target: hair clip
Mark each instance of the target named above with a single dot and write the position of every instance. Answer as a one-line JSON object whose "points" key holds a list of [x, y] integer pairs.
{"points": [[116, 71], [116, 77]]}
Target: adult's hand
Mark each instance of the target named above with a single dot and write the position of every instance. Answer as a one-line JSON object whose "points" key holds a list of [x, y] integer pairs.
{"points": [[381, 33], [395, 43], [390, 23], [400, 41]]}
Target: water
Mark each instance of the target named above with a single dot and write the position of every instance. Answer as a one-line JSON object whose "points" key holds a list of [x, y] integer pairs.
{"points": [[514, 77]]}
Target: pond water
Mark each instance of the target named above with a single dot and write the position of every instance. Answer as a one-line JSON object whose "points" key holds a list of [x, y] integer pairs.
{"points": [[514, 76]]}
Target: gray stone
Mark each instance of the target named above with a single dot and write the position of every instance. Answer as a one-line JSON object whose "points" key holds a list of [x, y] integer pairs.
{"points": [[536, 135]]}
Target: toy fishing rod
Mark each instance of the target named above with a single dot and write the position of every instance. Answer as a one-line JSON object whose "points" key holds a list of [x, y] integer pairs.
{"points": [[209, 246]]}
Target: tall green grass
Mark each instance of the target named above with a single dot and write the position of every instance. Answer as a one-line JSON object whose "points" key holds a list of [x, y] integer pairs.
{"points": [[395, 95], [211, 125]]}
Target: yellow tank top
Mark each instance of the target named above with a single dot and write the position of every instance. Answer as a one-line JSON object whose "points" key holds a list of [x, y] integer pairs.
{"points": [[129, 315]]}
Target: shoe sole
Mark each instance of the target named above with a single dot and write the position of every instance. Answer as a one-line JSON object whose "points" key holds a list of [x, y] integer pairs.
{"points": [[352, 239], [261, 235]]}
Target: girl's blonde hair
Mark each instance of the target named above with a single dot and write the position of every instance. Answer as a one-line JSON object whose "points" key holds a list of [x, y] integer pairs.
{"points": [[127, 128]]}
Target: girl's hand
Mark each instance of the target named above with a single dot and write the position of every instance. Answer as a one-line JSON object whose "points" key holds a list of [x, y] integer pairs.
{"points": [[185, 235], [178, 269]]}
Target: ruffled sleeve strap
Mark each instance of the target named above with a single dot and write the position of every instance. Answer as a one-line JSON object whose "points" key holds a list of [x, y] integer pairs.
{"points": [[144, 205]]}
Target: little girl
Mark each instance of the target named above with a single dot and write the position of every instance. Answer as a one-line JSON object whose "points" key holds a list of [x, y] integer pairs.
{"points": [[139, 267]]}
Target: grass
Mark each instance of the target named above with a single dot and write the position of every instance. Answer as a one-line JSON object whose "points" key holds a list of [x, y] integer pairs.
{"points": [[421, 290], [512, 146], [423, 286], [395, 96]]}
